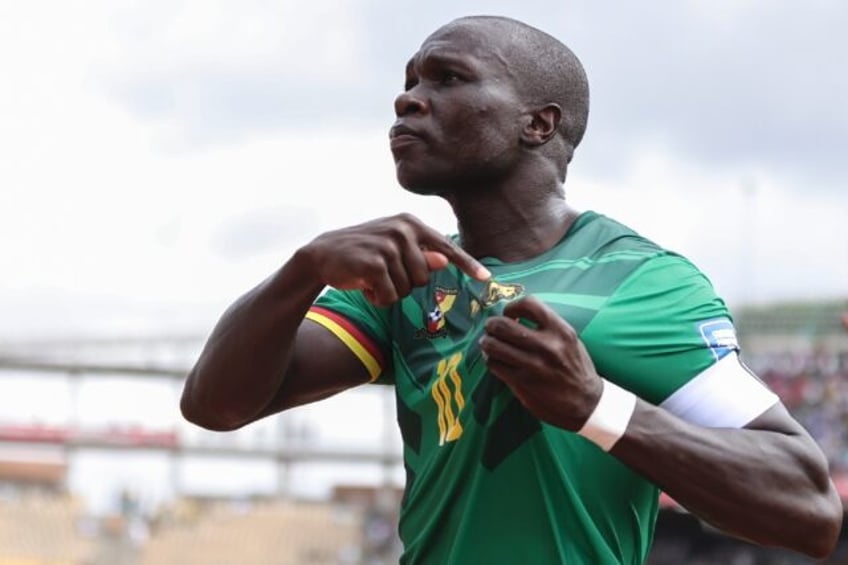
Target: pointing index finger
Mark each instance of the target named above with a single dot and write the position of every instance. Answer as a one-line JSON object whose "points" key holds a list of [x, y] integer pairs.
{"points": [[459, 257]]}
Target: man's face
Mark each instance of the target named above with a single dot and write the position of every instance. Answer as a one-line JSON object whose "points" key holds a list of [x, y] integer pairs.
{"points": [[458, 120]]}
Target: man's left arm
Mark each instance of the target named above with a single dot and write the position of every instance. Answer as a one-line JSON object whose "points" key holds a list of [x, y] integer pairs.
{"points": [[766, 482]]}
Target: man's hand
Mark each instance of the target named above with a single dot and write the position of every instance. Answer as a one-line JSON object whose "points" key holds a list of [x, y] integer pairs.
{"points": [[546, 367], [725, 476], [386, 258]]}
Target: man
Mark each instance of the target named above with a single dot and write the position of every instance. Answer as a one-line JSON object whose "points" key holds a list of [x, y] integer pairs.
{"points": [[552, 368]]}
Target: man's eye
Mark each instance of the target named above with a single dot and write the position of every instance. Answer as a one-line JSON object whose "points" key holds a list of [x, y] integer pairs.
{"points": [[449, 77], [409, 85]]}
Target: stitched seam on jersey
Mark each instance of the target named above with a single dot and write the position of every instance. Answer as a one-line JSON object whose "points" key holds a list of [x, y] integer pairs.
{"points": [[587, 301], [581, 263]]}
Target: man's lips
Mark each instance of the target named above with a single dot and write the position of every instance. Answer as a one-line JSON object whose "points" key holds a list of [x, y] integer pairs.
{"points": [[401, 135]]}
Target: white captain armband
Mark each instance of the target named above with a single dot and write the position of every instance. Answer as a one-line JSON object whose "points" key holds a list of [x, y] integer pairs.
{"points": [[611, 416], [724, 395]]}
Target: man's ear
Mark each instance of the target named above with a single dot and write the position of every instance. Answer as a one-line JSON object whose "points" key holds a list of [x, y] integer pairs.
{"points": [[542, 125]]}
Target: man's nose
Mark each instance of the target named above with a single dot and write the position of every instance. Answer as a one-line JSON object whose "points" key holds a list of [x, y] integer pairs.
{"points": [[410, 102]]}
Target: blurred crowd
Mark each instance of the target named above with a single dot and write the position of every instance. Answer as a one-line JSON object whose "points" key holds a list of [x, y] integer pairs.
{"points": [[814, 387]]}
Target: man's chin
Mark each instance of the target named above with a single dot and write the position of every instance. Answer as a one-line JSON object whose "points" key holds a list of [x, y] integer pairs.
{"points": [[423, 190], [418, 184]]}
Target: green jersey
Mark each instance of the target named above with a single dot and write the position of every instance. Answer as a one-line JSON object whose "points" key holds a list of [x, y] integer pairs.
{"points": [[489, 483]]}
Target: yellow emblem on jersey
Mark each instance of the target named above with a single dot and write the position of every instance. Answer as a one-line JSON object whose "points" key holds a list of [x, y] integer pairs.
{"points": [[495, 292]]}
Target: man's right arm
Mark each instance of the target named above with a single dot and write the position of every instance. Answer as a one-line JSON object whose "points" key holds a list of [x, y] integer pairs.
{"points": [[263, 356]]}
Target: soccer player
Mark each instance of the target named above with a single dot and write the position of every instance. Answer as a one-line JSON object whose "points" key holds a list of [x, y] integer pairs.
{"points": [[552, 368]]}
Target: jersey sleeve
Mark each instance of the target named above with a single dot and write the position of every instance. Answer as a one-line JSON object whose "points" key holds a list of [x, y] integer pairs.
{"points": [[661, 330], [361, 326]]}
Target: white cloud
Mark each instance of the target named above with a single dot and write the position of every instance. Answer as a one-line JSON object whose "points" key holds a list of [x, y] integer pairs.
{"points": [[303, 40]]}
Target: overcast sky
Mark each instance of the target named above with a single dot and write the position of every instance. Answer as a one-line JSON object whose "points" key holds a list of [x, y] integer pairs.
{"points": [[158, 158]]}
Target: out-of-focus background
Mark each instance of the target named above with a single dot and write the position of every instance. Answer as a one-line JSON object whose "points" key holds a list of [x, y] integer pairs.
{"points": [[159, 158]]}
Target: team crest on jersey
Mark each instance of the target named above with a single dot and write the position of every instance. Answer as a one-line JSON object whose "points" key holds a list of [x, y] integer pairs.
{"points": [[434, 320]]}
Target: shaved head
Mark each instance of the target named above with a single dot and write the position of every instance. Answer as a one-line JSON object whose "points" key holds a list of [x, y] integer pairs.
{"points": [[546, 72]]}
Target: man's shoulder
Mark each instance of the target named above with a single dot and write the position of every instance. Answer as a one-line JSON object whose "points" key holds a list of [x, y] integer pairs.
{"points": [[598, 239], [607, 234]]}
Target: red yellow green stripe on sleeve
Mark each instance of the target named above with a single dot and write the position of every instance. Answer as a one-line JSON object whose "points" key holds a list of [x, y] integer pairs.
{"points": [[360, 344]]}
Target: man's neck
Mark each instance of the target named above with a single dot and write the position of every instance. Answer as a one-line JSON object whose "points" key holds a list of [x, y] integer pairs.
{"points": [[514, 225]]}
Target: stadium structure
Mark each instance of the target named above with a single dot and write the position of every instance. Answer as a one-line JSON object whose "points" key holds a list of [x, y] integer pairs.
{"points": [[47, 514]]}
